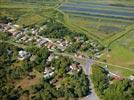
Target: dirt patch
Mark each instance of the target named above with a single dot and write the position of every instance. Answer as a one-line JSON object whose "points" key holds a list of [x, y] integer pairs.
{"points": [[28, 81]]}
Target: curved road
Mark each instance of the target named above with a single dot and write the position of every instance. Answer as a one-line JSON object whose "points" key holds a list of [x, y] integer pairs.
{"points": [[87, 70]]}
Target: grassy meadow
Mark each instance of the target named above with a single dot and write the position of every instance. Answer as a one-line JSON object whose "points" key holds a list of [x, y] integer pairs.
{"points": [[122, 54], [24, 13]]}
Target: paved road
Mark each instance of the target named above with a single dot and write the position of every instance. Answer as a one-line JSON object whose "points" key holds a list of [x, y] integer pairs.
{"points": [[87, 69], [88, 66]]}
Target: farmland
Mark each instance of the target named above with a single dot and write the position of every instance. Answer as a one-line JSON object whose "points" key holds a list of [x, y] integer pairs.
{"points": [[102, 19], [109, 22]]}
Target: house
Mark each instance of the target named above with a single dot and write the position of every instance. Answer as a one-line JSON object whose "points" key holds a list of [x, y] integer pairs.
{"points": [[49, 46], [43, 42], [75, 67], [24, 38], [38, 40], [6, 28], [51, 57], [13, 31], [78, 55], [63, 43], [48, 72], [24, 55], [2, 26], [16, 26], [115, 76], [19, 35], [34, 32]]}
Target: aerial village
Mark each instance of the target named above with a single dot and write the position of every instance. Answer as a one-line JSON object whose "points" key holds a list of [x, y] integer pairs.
{"points": [[21, 36], [31, 35]]}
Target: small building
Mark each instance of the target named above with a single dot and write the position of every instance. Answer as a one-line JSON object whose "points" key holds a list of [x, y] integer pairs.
{"points": [[75, 67], [24, 55], [50, 45], [16, 26], [115, 76], [13, 31], [48, 72], [19, 35], [51, 57], [78, 55]]}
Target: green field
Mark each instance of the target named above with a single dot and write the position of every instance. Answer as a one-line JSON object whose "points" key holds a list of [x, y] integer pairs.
{"points": [[122, 54]]}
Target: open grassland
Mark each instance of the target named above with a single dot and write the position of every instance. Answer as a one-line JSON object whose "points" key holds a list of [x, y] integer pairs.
{"points": [[27, 13], [122, 54], [101, 19]]}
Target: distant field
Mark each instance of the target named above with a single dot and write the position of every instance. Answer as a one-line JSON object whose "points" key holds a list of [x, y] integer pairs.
{"points": [[101, 18], [33, 2], [28, 13]]}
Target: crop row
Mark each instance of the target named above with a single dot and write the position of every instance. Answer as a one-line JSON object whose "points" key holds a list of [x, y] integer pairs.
{"points": [[98, 15], [122, 9], [88, 10]]}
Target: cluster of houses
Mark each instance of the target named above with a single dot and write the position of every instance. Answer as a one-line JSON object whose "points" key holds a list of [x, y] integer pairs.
{"points": [[63, 44], [21, 35], [49, 71], [11, 29], [41, 41], [72, 69]]}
